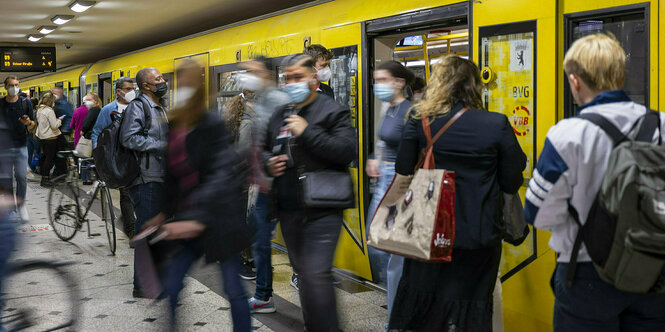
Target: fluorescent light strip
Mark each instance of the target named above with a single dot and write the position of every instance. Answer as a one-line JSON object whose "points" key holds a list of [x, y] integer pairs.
{"points": [[61, 19], [45, 30], [35, 38], [80, 6]]}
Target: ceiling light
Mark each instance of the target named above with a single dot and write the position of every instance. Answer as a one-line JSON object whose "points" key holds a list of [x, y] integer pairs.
{"points": [[35, 38], [80, 6], [61, 19], [46, 29]]}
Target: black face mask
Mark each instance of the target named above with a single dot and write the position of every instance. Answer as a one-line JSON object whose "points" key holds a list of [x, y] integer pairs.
{"points": [[162, 88]]}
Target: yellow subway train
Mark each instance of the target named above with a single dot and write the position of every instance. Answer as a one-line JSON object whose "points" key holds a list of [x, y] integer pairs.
{"points": [[519, 45]]}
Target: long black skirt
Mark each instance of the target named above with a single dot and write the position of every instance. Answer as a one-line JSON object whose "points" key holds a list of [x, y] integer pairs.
{"points": [[448, 297]]}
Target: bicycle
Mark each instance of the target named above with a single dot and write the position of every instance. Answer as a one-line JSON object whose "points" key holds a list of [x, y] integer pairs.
{"points": [[68, 209], [25, 303]]}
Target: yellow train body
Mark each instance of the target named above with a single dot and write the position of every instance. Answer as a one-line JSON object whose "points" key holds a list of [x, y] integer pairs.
{"points": [[527, 297]]}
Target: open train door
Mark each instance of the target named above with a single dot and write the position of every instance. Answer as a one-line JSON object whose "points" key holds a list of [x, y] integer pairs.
{"points": [[514, 44]]}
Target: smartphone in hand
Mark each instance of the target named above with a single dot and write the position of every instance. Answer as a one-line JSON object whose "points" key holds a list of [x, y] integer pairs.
{"points": [[62, 117]]}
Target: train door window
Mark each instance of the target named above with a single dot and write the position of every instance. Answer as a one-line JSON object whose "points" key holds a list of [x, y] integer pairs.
{"points": [[228, 85], [630, 25], [105, 87], [416, 40], [73, 97]]}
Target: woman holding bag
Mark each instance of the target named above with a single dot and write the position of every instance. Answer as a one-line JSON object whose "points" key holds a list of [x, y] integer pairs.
{"points": [[481, 148], [390, 82]]}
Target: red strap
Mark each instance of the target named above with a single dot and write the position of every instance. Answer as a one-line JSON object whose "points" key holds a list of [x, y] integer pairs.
{"points": [[427, 154]]}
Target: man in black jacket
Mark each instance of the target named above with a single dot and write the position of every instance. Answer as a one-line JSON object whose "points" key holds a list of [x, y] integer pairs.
{"points": [[312, 133]]}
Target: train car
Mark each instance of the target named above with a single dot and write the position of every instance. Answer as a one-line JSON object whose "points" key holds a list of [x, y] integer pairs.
{"points": [[518, 44], [68, 79]]}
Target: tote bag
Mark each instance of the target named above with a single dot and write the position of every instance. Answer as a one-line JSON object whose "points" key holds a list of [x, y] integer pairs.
{"points": [[416, 217], [83, 148]]}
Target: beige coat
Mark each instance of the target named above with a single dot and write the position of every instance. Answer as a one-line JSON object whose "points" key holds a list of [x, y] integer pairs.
{"points": [[47, 124]]}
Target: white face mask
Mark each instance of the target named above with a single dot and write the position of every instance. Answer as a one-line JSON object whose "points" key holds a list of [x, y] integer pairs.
{"points": [[129, 96], [250, 82], [57, 97], [13, 91], [89, 103], [324, 74], [183, 94]]}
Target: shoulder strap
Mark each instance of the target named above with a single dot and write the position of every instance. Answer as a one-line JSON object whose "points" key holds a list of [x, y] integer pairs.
{"points": [[572, 265], [427, 157], [146, 115], [610, 129], [648, 127]]}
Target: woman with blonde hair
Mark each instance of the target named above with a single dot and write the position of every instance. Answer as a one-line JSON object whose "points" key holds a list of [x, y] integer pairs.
{"points": [[50, 137], [481, 148]]}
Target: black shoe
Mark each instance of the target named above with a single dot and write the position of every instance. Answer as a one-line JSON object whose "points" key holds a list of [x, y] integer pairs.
{"points": [[137, 294], [46, 183], [87, 183], [246, 271]]}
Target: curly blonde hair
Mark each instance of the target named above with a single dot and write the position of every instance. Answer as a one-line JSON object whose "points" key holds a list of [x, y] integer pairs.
{"points": [[453, 80], [234, 111]]}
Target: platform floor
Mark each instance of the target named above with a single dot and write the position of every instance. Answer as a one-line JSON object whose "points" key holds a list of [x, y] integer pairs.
{"points": [[105, 283]]}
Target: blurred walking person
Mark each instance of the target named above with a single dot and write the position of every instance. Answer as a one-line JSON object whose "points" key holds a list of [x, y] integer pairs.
{"points": [[203, 199]]}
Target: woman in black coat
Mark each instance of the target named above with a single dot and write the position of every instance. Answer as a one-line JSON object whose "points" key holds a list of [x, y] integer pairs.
{"points": [[203, 200], [481, 148]]}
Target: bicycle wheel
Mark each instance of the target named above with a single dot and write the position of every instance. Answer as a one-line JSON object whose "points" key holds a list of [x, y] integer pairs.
{"points": [[108, 217], [39, 296], [63, 209]]}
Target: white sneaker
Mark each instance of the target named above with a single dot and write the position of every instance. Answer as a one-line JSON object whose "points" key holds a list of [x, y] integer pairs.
{"points": [[23, 211], [32, 177]]}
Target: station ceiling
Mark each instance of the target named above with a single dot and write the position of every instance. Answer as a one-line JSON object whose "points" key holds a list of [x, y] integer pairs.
{"points": [[114, 27]]}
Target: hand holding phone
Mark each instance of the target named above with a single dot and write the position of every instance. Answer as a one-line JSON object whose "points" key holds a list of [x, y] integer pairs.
{"points": [[62, 117]]}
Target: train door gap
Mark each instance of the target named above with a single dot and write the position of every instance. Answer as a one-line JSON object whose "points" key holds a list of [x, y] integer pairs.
{"points": [[630, 25], [105, 88], [417, 40]]}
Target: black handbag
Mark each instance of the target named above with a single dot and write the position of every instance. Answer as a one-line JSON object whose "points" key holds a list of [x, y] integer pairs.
{"points": [[327, 189]]}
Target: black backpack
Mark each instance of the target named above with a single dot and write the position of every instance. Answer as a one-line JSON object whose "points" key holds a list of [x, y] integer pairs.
{"points": [[116, 165]]}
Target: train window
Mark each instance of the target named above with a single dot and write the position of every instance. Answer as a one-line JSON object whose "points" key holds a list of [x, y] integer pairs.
{"points": [[630, 25], [168, 77], [228, 87], [73, 97]]}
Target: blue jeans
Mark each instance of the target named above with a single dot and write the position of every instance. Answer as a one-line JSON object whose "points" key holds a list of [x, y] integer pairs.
{"points": [[147, 199], [591, 304], [261, 247], [20, 164], [386, 268], [85, 173], [311, 244], [7, 242], [378, 260], [174, 272], [33, 148]]}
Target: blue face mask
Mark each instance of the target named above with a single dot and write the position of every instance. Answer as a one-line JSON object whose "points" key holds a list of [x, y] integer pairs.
{"points": [[384, 91], [298, 92]]}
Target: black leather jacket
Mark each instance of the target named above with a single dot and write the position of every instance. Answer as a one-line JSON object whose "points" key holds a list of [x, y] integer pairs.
{"points": [[328, 142]]}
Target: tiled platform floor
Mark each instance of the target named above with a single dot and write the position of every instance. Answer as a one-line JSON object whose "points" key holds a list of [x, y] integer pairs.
{"points": [[105, 284]]}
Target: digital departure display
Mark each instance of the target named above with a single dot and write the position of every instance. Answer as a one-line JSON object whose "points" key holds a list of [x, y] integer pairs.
{"points": [[27, 59]]}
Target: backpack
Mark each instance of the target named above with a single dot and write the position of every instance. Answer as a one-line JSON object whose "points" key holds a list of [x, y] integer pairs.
{"points": [[625, 230], [116, 165]]}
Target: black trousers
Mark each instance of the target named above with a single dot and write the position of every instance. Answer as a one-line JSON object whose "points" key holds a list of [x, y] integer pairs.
{"points": [[51, 148], [311, 243]]}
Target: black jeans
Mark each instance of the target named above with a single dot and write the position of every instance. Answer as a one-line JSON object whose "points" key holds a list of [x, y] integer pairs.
{"points": [[51, 148], [311, 243], [591, 304]]}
